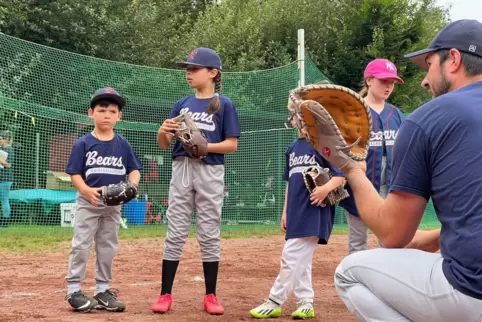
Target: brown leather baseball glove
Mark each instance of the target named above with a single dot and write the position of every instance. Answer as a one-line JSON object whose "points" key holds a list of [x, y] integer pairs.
{"points": [[193, 140], [334, 119], [317, 177]]}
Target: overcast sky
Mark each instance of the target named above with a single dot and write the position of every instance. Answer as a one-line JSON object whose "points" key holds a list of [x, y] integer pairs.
{"points": [[464, 9]]}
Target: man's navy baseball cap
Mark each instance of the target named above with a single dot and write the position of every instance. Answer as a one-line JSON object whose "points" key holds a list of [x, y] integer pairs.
{"points": [[107, 93], [203, 57], [464, 35]]}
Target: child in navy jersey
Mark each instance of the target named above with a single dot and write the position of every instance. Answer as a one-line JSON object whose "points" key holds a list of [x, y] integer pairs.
{"points": [[306, 225], [198, 184], [98, 159]]}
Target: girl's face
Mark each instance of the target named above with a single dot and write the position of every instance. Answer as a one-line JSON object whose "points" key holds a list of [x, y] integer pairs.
{"points": [[3, 141], [199, 77], [380, 88]]}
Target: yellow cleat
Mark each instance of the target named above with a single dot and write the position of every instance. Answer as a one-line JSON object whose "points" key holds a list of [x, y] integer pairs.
{"points": [[266, 310], [304, 311]]}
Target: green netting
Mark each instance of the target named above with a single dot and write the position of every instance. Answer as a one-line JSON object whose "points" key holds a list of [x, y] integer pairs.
{"points": [[44, 95]]}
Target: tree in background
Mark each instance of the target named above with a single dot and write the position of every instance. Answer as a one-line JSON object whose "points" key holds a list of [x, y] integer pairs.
{"points": [[341, 36]]}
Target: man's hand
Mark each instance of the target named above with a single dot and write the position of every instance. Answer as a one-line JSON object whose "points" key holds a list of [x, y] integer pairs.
{"points": [[318, 195], [355, 166], [283, 222], [92, 195], [428, 241]]}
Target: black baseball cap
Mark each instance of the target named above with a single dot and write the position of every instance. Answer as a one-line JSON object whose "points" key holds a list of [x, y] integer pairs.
{"points": [[203, 57], [107, 93], [464, 35]]}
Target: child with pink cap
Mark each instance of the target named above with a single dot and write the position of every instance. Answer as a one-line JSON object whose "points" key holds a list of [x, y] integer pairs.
{"points": [[379, 80]]}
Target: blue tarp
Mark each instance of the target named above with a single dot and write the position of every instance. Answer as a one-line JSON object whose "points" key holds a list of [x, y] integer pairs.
{"points": [[46, 195]]}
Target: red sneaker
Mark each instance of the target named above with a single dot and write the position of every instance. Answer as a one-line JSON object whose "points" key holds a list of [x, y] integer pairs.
{"points": [[163, 304], [211, 305]]}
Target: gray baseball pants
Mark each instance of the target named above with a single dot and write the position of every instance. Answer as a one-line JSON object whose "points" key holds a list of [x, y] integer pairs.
{"points": [[99, 224], [385, 285], [357, 230], [194, 185]]}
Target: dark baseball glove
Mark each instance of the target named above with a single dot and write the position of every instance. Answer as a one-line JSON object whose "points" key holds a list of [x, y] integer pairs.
{"points": [[118, 194], [334, 119], [317, 177], [192, 139]]}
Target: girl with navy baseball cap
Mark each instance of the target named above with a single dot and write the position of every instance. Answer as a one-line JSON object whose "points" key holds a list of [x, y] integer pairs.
{"points": [[198, 184]]}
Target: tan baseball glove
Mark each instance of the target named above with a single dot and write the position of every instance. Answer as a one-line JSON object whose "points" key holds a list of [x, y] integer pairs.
{"points": [[193, 140], [334, 119], [317, 177]]}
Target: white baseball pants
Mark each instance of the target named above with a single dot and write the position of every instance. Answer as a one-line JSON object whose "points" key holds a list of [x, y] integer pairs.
{"points": [[388, 285], [295, 271]]}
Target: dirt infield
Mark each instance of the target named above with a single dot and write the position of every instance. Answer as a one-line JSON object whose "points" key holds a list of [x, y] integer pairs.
{"points": [[32, 287]]}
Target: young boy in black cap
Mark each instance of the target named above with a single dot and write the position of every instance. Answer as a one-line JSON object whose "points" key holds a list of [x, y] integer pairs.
{"points": [[98, 159]]}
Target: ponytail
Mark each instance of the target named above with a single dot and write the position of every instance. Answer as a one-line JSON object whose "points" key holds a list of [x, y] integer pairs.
{"points": [[214, 104], [364, 91]]}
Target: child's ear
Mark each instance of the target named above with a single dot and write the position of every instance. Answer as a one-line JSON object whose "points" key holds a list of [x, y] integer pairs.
{"points": [[214, 72], [120, 115], [91, 113]]}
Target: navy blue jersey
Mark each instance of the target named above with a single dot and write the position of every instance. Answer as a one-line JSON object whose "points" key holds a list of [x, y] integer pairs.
{"points": [[438, 155], [385, 128], [217, 127], [101, 163], [302, 218]]}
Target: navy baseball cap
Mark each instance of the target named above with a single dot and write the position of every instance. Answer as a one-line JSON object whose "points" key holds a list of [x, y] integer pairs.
{"points": [[107, 93], [464, 35], [203, 57]]}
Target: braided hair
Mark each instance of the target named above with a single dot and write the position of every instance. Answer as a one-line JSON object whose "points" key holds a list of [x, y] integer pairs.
{"points": [[215, 103]]}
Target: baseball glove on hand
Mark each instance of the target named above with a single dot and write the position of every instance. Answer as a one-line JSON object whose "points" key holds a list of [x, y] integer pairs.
{"points": [[120, 193], [335, 120], [193, 140], [317, 177]]}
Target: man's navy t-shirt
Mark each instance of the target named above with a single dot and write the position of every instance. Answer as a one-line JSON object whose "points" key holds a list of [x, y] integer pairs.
{"points": [[217, 127], [438, 154]]}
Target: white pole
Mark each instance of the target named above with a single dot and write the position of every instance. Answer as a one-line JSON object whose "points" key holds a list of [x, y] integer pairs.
{"points": [[301, 56], [37, 159]]}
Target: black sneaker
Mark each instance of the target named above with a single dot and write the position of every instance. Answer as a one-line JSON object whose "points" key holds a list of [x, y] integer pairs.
{"points": [[80, 302], [108, 300]]}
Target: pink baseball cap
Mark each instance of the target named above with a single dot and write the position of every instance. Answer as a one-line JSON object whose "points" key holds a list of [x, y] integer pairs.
{"points": [[382, 69]]}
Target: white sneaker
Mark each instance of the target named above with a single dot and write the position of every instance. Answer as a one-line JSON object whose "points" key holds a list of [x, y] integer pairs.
{"points": [[304, 311], [267, 310]]}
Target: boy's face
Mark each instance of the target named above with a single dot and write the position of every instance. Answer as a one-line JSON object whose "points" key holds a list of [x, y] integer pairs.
{"points": [[105, 117]]}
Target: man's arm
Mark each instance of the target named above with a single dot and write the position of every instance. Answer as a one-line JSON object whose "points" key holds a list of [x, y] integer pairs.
{"points": [[428, 241], [395, 220]]}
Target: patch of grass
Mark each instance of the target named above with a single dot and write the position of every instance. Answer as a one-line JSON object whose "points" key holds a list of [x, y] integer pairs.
{"points": [[20, 239]]}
